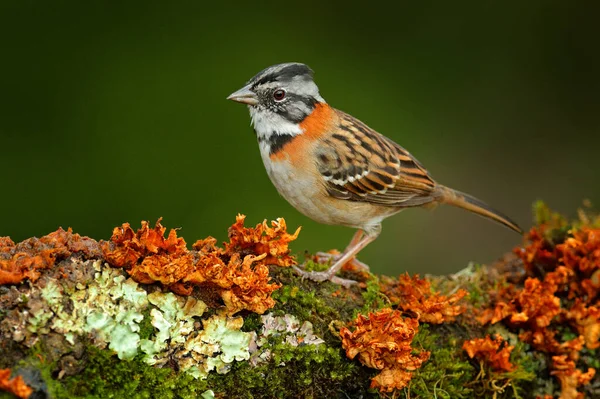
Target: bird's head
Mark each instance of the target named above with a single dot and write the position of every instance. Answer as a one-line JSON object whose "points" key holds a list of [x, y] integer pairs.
{"points": [[279, 98]]}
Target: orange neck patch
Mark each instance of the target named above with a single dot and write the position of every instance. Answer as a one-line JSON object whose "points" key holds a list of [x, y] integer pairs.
{"points": [[318, 122], [315, 125]]}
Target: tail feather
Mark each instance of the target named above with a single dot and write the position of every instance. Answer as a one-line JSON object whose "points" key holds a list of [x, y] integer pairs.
{"points": [[470, 203]]}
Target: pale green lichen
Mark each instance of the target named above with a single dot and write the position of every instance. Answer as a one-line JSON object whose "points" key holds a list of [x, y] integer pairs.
{"points": [[225, 333], [179, 339], [162, 332], [173, 320], [38, 320], [208, 395], [216, 347], [39, 314], [52, 293], [109, 309], [124, 341]]}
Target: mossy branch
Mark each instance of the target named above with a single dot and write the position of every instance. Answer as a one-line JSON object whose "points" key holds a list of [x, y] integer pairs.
{"points": [[77, 326]]}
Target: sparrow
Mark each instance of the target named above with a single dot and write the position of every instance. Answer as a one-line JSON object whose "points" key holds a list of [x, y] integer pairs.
{"points": [[335, 169]]}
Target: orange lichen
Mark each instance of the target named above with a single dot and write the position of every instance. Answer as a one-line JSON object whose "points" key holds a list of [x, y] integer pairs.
{"points": [[582, 251], [250, 287], [561, 292], [535, 304], [579, 254], [586, 321], [127, 247], [569, 377], [494, 353], [16, 385], [6, 244], [539, 252], [383, 341], [239, 272], [413, 294], [26, 259], [243, 283], [262, 239]]}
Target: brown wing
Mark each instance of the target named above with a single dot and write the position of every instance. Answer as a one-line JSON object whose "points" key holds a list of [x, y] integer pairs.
{"points": [[359, 164]]}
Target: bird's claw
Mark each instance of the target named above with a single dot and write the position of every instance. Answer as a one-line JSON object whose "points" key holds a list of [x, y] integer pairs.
{"points": [[326, 257], [324, 276]]}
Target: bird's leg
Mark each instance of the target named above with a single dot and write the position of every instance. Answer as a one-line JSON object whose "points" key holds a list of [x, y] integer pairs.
{"points": [[365, 239], [358, 265], [324, 257]]}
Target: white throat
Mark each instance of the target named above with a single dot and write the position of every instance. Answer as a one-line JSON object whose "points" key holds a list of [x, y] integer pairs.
{"points": [[268, 123]]}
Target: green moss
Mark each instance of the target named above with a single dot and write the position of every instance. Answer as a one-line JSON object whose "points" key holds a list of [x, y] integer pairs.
{"points": [[373, 297], [252, 322], [286, 370], [310, 301], [450, 374], [145, 325], [528, 365], [566, 333], [311, 266], [318, 372], [591, 358], [541, 212], [559, 225], [286, 293], [305, 304], [105, 376], [518, 384], [477, 296], [320, 303], [295, 372], [446, 374]]}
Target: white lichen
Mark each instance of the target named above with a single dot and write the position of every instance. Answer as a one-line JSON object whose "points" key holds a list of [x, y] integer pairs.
{"points": [[288, 329]]}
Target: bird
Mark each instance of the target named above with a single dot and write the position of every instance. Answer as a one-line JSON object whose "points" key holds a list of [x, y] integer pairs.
{"points": [[335, 169]]}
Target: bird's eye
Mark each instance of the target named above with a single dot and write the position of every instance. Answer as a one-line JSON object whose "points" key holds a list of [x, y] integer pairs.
{"points": [[279, 94]]}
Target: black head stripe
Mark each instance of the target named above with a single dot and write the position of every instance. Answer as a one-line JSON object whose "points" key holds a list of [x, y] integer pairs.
{"points": [[292, 70], [280, 73], [309, 101], [296, 115]]}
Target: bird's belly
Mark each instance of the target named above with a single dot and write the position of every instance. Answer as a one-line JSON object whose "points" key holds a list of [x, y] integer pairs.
{"points": [[302, 192], [306, 193]]}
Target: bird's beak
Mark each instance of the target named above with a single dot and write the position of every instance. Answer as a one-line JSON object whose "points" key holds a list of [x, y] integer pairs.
{"points": [[244, 96]]}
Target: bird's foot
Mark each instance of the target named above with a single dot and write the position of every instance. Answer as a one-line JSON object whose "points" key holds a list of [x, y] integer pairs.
{"points": [[332, 257], [327, 257], [328, 275], [339, 261]]}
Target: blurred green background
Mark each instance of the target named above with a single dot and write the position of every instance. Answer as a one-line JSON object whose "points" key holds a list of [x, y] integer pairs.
{"points": [[116, 111]]}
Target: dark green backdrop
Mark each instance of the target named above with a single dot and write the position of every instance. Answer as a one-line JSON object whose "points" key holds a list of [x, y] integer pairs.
{"points": [[116, 112]]}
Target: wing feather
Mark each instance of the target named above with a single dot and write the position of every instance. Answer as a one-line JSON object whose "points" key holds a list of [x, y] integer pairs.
{"points": [[359, 164]]}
